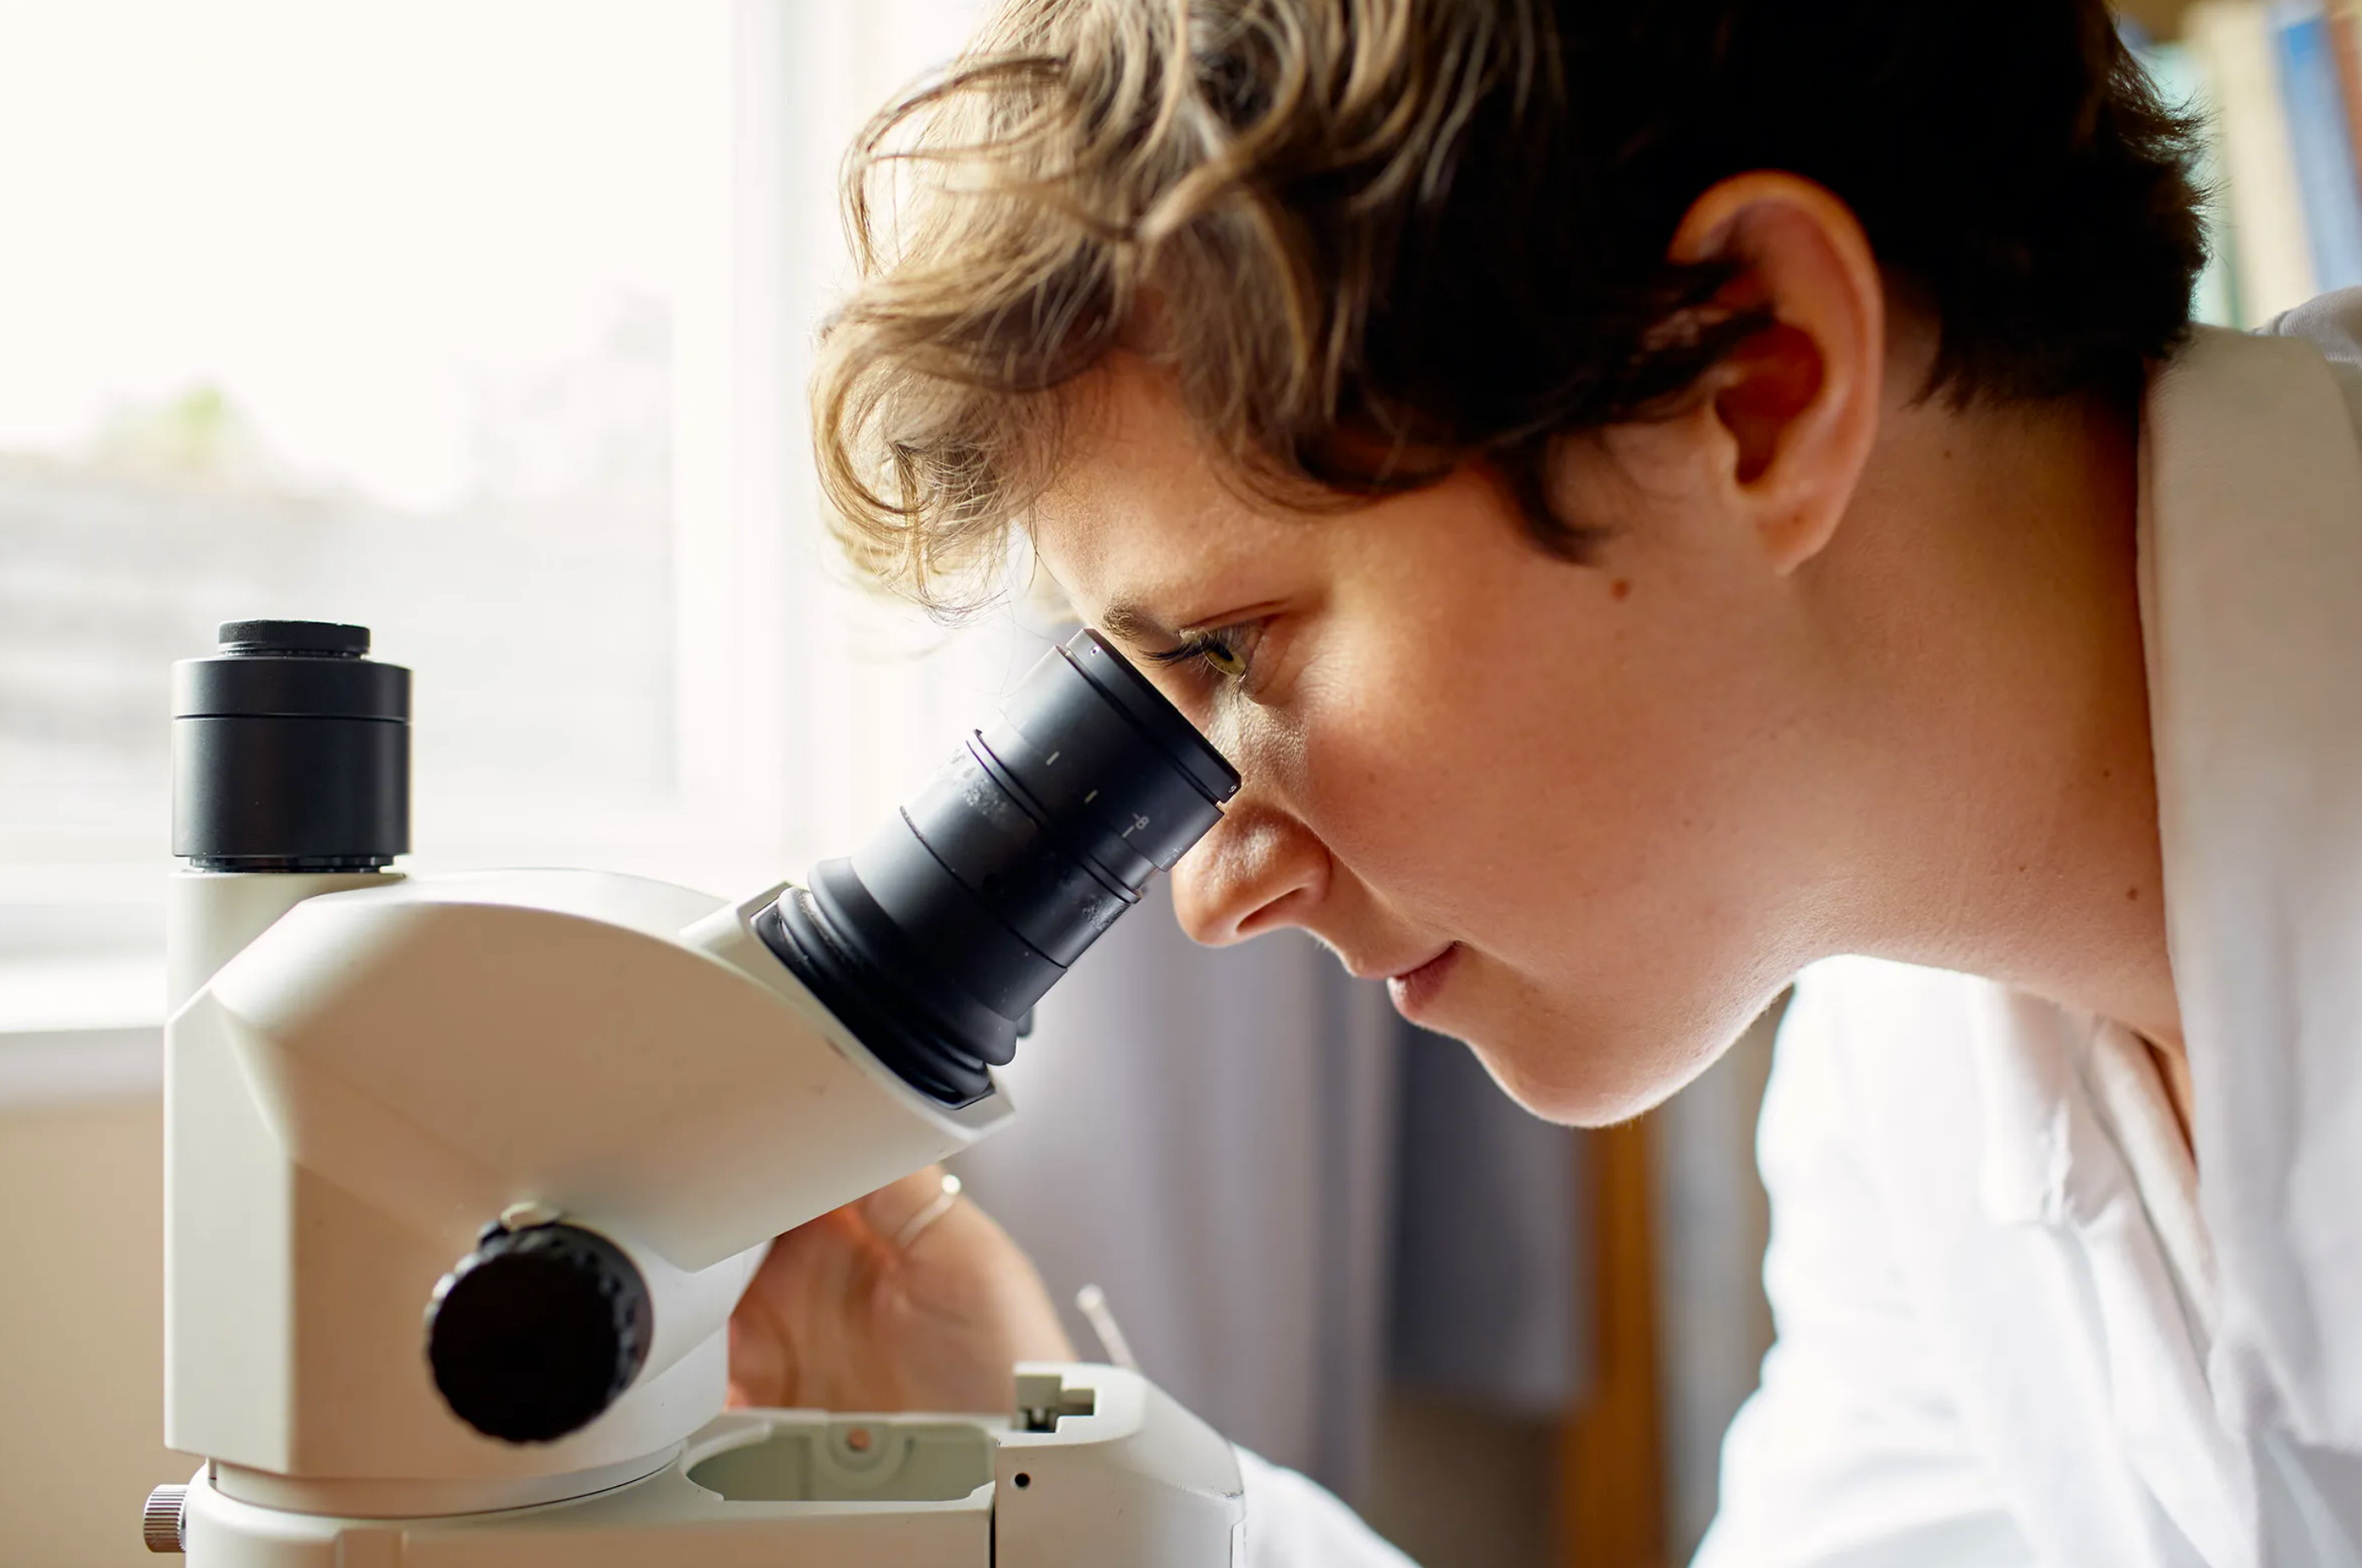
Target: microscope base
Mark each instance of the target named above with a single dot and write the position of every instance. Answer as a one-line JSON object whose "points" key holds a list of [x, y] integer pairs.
{"points": [[1100, 1467]]}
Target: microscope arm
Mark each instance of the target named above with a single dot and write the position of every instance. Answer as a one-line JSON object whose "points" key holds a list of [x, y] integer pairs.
{"points": [[385, 1073]]}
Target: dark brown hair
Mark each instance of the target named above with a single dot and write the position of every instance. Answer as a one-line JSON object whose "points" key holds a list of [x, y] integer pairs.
{"points": [[1371, 240]]}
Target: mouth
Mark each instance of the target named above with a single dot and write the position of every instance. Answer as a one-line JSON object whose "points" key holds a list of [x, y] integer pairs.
{"points": [[1414, 989]]}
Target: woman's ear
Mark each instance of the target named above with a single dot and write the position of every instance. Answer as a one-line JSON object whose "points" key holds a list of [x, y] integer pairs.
{"points": [[1796, 407]]}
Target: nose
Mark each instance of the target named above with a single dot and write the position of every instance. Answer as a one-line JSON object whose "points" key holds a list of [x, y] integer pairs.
{"points": [[1259, 869]]}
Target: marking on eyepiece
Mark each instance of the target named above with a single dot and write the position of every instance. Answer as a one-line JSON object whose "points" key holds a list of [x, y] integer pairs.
{"points": [[1053, 757], [1090, 798]]}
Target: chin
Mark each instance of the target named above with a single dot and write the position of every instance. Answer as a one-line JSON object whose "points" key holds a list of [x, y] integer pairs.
{"points": [[1592, 1098], [1598, 1075], [1576, 1050]]}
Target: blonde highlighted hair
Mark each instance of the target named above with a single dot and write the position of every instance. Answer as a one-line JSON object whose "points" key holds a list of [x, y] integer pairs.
{"points": [[1371, 240]]}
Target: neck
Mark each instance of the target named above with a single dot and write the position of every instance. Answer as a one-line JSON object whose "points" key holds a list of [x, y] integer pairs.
{"points": [[2022, 815]]}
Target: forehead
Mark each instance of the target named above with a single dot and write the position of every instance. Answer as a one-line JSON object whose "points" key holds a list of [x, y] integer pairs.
{"points": [[1139, 511]]}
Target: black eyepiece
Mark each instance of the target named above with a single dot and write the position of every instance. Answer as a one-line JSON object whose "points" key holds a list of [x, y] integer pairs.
{"points": [[933, 941], [291, 751]]}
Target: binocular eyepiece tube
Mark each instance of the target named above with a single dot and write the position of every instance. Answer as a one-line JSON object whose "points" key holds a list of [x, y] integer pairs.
{"points": [[934, 940], [931, 943]]}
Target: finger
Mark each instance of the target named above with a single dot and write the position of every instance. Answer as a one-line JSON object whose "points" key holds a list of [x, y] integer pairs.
{"points": [[757, 1361], [890, 1210]]}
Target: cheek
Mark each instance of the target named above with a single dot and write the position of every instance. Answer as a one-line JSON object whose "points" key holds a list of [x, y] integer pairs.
{"points": [[1576, 790], [1372, 763], [1510, 779]]}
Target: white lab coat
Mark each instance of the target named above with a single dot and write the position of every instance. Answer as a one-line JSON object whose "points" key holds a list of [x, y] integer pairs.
{"points": [[1986, 1355]]}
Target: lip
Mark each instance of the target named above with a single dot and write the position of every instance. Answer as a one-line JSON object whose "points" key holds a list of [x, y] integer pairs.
{"points": [[1391, 968], [1413, 991]]}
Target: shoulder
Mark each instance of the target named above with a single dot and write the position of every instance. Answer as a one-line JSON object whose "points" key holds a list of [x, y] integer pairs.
{"points": [[1865, 1044], [1854, 1000], [1925, 1118], [2332, 324], [1882, 1100], [1935, 1369]]}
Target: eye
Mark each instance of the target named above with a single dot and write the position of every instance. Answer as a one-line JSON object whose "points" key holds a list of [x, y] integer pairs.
{"points": [[1224, 651]]}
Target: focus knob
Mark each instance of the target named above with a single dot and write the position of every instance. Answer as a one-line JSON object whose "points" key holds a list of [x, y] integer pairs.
{"points": [[537, 1331], [160, 1521]]}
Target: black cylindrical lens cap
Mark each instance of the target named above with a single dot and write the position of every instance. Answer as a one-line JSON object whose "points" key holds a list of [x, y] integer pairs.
{"points": [[935, 939], [291, 751]]}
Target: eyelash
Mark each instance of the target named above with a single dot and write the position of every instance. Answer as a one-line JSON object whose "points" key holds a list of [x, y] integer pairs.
{"points": [[1202, 650]]}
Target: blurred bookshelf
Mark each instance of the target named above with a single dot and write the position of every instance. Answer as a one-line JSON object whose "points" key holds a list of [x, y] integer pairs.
{"points": [[2278, 85], [2160, 18]]}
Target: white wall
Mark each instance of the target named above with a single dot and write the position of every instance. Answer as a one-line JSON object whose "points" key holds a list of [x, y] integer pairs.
{"points": [[82, 1351]]}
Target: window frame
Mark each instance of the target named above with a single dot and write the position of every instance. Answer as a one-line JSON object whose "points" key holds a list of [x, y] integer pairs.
{"points": [[788, 724]]}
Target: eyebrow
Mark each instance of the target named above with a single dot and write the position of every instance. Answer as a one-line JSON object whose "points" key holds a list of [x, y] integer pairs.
{"points": [[1128, 623]]}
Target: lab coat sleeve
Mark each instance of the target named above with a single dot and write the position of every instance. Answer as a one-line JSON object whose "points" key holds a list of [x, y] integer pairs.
{"points": [[1851, 1452], [1292, 1523]]}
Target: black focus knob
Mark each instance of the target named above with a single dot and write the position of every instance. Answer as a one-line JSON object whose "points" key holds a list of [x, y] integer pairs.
{"points": [[537, 1331]]}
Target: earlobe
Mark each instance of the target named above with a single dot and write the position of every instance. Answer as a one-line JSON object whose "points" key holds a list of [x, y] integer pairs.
{"points": [[1798, 401]]}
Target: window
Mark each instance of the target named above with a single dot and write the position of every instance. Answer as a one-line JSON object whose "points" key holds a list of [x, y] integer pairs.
{"points": [[484, 326], [376, 323]]}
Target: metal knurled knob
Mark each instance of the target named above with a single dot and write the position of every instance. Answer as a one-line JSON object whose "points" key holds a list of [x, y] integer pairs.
{"points": [[160, 1521]]}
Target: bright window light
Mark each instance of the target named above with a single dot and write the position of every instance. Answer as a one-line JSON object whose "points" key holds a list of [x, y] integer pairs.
{"points": [[365, 316]]}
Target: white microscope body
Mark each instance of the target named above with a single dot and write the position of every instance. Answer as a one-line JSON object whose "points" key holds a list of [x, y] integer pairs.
{"points": [[389, 1101]]}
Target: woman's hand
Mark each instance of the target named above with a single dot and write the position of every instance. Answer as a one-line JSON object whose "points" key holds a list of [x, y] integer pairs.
{"points": [[841, 1318]]}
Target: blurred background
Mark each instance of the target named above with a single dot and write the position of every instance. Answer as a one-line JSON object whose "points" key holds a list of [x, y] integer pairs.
{"points": [[486, 326]]}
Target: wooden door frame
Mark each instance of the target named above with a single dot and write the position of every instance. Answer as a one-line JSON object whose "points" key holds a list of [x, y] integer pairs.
{"points": [[1612, 1486]]}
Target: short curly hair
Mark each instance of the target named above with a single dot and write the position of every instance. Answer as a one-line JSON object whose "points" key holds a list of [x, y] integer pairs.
{"points": [[1371, 241]]}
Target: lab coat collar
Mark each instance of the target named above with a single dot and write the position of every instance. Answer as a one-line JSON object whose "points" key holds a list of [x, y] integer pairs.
{"points": [[2025, 1051], [2251, 500], [2251, 581], [2050, 1161]]}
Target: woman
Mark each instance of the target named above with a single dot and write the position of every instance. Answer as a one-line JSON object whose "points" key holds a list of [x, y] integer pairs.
{"points": [[1654, 497]]}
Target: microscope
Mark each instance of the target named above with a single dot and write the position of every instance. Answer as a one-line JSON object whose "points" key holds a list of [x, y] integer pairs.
{"points": [[465, 1174]]}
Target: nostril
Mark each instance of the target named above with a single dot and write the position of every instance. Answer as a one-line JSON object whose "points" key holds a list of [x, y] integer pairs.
{"points": [[1292, 908], [1256, 871]]}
